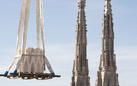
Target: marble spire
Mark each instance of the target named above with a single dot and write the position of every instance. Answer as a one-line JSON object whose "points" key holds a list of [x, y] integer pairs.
{"points": [[107, 76], [80, 68]]}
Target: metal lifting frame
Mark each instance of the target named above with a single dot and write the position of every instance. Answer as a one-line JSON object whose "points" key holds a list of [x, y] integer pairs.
{"points": [[24, 17]]}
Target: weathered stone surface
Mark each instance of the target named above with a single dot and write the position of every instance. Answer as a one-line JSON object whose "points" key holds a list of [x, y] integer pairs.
{"points": [[107, 76], [33, 61], [80, 69]]}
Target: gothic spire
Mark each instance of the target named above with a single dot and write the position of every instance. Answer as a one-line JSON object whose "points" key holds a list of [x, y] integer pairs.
{"points": [[80, 68], [108, 36], [107, 76]]}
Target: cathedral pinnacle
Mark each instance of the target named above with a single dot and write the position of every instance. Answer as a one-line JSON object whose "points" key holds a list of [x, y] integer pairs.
{"points": [[80, 68], [107, 76]]}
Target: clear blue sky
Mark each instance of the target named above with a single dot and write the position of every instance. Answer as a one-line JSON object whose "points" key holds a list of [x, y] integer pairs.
{"points": [[60, 18]]}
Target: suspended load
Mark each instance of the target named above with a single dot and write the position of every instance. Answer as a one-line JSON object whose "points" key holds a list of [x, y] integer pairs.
{"points": [[31, 62]]}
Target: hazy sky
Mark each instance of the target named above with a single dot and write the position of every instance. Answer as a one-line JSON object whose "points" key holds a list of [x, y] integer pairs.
{"points": [[60, 18]]}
